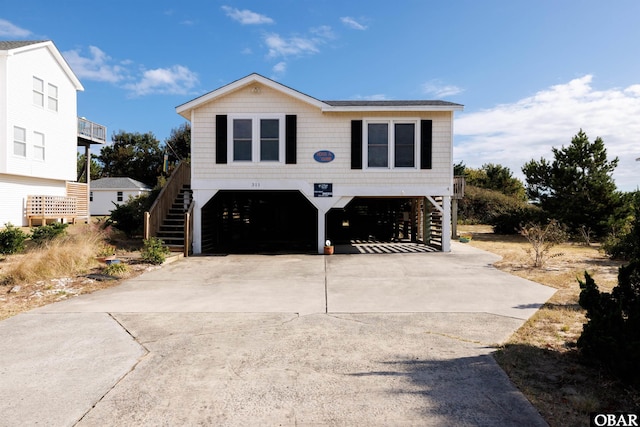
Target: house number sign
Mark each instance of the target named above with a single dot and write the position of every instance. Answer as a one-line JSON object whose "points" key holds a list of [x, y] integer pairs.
{"points": [[323, 189], [324, 156]]}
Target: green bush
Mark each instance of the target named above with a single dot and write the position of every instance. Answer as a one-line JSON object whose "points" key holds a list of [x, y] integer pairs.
{"points": [[624, 241], [611, 335], [505, 213], [129, 217], [115, 269], [12, 239], [46, 233], [154, 251]]}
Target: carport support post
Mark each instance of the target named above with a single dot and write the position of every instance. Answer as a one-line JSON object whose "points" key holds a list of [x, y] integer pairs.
{"points": [[446, 224], [322, 217]]}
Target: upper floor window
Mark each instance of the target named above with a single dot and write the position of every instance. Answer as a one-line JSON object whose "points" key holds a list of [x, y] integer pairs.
{"points": [[38, 92], [38, 146], [52, 94], [390, 143], [256, 139], [19, 141]]}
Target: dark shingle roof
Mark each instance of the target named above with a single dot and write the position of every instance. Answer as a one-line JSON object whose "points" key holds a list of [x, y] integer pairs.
{"points": [[415, 103], [10, 44], [118, 183]]}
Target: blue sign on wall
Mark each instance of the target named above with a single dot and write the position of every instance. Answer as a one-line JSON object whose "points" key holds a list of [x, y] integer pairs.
{"points": [[324, 156]]}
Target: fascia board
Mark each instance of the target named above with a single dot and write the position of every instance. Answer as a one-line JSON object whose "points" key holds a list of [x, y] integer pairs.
{"points": [[238, 84], [374, 108]]}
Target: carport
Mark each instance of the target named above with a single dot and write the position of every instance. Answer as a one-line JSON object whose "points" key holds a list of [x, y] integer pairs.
{"points": [[259, 222]]}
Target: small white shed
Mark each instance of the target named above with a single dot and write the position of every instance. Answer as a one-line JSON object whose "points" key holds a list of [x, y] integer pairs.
{"points": [[105, 192]]}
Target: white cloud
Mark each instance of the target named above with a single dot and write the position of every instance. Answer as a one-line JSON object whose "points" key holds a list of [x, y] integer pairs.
{"points": [[7, 29], [246, 17], [293, 46], [513, 134], [177, 80], [324, 31], [439, 89], [352, 23], [95, 66], [279, 69]]}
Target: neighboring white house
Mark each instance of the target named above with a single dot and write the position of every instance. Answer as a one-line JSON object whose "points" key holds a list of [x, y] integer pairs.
{"points": [[273, 166], [39, 130], [104, 192]]}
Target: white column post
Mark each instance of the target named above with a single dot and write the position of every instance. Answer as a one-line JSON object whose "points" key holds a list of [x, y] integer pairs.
{"points": [[446, 224], [321, 230], [197, 224]]}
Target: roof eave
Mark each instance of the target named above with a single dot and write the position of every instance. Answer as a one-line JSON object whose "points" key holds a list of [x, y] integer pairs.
{"points": [[380, 108], [184, 109]]}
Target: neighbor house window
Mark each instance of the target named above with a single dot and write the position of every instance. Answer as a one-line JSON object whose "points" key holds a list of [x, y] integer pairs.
{"points": [[52, 94], [38, 92], [91, 196], [120, 196], [38, 146], [256, 139], [19, 141], [390, 143]]}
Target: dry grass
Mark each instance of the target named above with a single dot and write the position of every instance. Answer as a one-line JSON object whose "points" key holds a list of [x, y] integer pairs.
{"points": [[541, 358], [63, 268]]}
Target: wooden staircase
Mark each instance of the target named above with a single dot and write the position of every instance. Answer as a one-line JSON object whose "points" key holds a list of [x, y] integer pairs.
{"points": [[172, 228], [170, 218]]}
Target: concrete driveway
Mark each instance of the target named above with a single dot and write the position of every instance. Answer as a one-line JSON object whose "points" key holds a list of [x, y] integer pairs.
{"points": [[393, 339]]}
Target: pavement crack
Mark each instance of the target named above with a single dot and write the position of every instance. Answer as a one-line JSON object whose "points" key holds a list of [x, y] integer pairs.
{"points": [[133, 368], [461, 339], [335, 316]]}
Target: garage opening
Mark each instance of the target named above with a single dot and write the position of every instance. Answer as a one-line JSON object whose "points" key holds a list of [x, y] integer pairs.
{"points": [[376, 220], [259, 222]]}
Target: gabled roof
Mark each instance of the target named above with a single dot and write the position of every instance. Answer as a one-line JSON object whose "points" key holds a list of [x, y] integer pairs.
{"points": [[416, 105], [121, 183], [11, 47]]}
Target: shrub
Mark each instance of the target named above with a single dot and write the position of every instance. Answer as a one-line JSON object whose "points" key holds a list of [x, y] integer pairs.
{"points": [[513, 218], [611, 335], [625, 244], [154, 251], [129, 217], [115, 269], [12, 239], [542, 238], [46, 233]]}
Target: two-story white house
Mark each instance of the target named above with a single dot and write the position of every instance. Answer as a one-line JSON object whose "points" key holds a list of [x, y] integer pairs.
{"points": [[275, 169], [39, 134]]}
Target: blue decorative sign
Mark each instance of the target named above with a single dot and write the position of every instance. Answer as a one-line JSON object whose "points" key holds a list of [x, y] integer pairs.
{"points": [[324, 156]]}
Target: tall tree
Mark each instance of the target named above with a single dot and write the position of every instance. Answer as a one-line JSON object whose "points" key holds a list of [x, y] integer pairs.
{"points": [[178, 145], [95, 168], [576, 187], [132, 155]]}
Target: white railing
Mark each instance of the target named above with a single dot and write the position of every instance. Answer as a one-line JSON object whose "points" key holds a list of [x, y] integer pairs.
{"points": [[91, 131]]}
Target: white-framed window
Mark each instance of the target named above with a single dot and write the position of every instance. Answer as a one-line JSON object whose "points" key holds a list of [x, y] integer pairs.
{"points": [[390, 143], [38, 146], [19, 141], [256, 138], [52, 97], [120, 196], [38, 92]]}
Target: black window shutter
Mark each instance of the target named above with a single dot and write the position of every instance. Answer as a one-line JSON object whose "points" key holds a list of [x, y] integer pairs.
{"points": [[291, 139], [426, 144], [356, 144], [221, 138]]}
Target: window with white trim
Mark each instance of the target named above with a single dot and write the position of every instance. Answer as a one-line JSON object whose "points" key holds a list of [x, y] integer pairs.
{"points": [[52, 95], [390, 143], [38, 146], [256, 138], [38, 92], [19, 141]]}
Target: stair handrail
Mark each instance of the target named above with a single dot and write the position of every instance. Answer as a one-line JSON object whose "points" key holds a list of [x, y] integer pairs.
{"points": [[156, 214]]}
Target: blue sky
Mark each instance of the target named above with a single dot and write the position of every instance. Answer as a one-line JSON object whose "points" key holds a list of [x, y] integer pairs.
{"points": [[530, 74]]}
